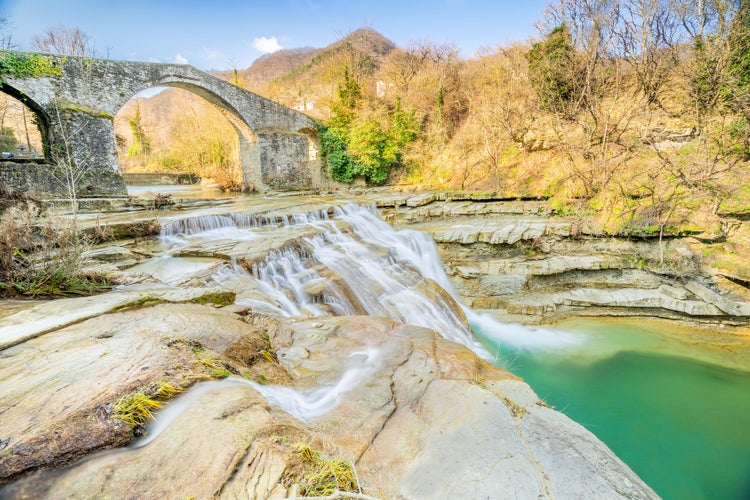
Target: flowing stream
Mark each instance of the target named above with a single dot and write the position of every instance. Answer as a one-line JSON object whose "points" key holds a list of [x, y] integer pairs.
{"points": [[676, 414]]}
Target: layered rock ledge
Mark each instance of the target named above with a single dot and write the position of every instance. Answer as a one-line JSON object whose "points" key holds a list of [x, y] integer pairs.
{"points": [[521, 263]]}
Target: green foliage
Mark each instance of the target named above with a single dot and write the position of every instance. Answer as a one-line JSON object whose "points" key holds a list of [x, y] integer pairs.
{"points": [[365, 148], [739, 65], [141, 145], [739, 133], [8, 141], [349, 92], [67, 106], [550, 69], [354, 143], [705, 81], [370, 146], [27, 65], [341, 165], [404, 126]]}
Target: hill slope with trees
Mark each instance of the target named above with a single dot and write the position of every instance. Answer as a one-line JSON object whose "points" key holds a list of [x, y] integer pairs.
{"points": [[636, 111]]}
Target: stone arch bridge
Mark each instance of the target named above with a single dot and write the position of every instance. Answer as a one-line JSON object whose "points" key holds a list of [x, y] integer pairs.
{"points": [[75, 111]]}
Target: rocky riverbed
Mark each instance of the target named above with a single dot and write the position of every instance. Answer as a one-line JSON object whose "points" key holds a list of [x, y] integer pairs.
{"points": [[257, 393], [431, 420]]}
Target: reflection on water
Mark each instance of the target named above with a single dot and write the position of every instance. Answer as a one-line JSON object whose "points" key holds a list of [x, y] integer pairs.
{"points": [[180, 191], [671, 404]]}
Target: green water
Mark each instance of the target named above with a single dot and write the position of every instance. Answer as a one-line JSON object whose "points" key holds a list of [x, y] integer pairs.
{"points": [[671, 401]]}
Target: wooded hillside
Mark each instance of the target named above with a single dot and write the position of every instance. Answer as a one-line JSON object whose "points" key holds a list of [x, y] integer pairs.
{"points": [[637, 110]]}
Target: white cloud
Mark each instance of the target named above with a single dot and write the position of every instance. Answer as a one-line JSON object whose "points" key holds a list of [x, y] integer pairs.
{"points": [[211, 54], [267, 45], [179, 59]]}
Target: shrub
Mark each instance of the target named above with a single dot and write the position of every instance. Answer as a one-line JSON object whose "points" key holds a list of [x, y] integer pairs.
{"points": [[40, 254]]}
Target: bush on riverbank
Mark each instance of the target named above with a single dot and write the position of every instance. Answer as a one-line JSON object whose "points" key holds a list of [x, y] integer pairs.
{"points": [[40, 255]]}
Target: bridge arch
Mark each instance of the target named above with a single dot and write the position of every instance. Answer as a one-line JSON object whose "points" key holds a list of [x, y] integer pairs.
{"points": [[207, 94], [183, 131], [42, 119], [275, 149]]}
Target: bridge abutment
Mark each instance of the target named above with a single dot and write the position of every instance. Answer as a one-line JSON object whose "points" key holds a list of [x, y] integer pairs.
{"points": [[83, 152]]}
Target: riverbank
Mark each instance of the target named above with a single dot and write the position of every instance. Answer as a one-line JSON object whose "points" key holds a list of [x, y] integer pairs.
{"points": [[229, 291], [403, 409], [520, 262]]}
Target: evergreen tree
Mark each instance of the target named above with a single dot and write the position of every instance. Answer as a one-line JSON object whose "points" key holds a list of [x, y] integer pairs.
{"points": [[141, 146], [551, 69]]}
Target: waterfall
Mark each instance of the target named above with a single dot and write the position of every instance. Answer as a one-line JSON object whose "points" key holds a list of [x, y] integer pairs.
{"points": [[238, 220], [354, 264], [372, 269]]}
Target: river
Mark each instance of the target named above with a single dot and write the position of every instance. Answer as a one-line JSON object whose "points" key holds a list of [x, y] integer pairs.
{"points": [[672, 400]]}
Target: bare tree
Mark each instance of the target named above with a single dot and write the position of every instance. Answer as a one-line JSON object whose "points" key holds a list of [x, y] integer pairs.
{"points": [[6, 38], [438, 82], [64, 40], [646, 37], [579, 76], [400, 68]]}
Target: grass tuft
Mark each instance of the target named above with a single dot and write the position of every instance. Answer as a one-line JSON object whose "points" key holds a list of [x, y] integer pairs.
{"points": [[137, 407], [325, 476]]}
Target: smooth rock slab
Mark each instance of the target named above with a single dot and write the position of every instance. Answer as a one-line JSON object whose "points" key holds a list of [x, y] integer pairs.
{"points": [[57, 389], [457, 441], [48, 316], [193, 458]]}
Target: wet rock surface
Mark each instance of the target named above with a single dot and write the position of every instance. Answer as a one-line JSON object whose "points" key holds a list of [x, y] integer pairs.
{"points": [[432, 420]]}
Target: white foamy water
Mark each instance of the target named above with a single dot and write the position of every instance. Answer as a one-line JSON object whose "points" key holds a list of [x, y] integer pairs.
{"points": [[239, 220], [372, 270], [375, 270], [315, 403], [303, 405], [522, 337]]}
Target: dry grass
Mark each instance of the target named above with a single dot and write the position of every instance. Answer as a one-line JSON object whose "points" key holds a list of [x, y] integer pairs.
{"points": [[40, 254], [322, 476], [136, 408]]}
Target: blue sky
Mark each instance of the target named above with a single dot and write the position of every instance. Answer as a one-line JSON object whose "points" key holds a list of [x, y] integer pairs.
{"points": [[222, 34]]}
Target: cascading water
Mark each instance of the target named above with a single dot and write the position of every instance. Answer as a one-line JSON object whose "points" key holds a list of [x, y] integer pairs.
{"points": [[354, 264], [371, 270], [194, 225], [304, 405]]}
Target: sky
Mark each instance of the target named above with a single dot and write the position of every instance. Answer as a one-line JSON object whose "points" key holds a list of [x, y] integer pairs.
{"points": [[227, 34]]}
